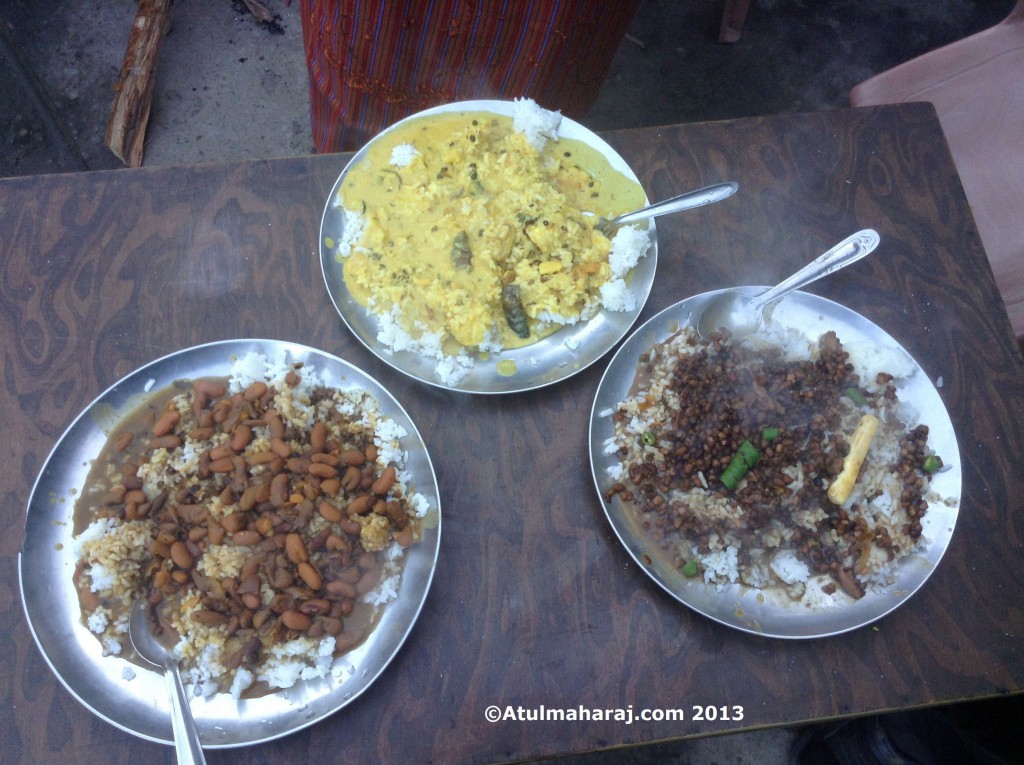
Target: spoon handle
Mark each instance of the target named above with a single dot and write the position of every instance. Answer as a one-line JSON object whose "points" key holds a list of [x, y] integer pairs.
{"points": [[186, 739], [690, 199], [848, 251]]}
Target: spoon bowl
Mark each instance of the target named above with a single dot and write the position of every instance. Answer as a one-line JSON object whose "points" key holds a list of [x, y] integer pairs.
{"points": [[151, 650], [742, 313]]}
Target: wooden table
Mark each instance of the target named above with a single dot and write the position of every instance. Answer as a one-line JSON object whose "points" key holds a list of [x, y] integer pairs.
{"points": [[534, 601]]}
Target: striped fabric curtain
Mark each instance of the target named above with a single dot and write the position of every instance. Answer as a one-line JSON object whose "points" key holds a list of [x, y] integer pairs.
{"points": [[373, 62]]}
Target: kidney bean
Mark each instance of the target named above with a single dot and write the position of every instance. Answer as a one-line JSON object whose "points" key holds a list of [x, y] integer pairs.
{"points": [[181, 556], [310, 576], [350, 526], [179, 576], [201, 434], [351, 478], [255, 391], [165, 422], [279, 490], [233, 522], [223, 465], [359, 505], [197, 533], [159, 549], [281, 578], [161, 579], [264, 525], [251, 600], [353, 457], [334, 543], [371, 453], [295, 620], [322, 470], [331, 626], [246, 537], [280, 447], [329, 512], [383, 484], [165, 442], [211, 389], [342, 588], [295, 548], [221, 451], [318, 436], [249, 497], [275, 424], [215, 533], [330, 486], [326, 458], [351, 575], [315, 607], [406, 536], [123, 441]]}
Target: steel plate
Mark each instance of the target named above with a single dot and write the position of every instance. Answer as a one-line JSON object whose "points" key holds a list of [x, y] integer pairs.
{"points": [[140, 705], [767, 612], [550, 360]]}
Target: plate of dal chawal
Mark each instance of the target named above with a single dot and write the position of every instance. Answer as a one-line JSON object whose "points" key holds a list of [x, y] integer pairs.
{"points": [[275, 501], [455, 248], [800, 483]]}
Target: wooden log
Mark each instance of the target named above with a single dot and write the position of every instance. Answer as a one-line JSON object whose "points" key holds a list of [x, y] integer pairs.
{"points": [[126, 130], [259, 10]]}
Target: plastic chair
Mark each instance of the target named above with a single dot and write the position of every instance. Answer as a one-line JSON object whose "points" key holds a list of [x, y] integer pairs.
{"points": [[977, 87]]}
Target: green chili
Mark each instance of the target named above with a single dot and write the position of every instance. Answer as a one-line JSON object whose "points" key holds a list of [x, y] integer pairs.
{"points": [[649, 438], [931, 463], [690, 569], [744, 459], [770, 434], [855, 396]]}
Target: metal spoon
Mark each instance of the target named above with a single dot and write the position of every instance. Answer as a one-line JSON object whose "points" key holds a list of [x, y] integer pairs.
{"points": [[186, 739], [689, 200], [743, 314]]}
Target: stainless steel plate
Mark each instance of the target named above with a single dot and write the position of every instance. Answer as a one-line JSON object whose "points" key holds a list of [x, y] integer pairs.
{"points": [[764, 612], [140, 706], [556, 357]]}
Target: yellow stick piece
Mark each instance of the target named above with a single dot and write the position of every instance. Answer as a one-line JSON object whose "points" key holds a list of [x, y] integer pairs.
{"points": [[841, 488]]}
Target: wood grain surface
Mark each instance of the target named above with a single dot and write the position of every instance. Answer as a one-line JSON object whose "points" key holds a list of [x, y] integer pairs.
{"points": [[534, 601]]}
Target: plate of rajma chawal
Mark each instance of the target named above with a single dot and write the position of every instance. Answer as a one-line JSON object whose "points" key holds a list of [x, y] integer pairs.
{"points": [[455, 246], [798, 483], [274, 505]]}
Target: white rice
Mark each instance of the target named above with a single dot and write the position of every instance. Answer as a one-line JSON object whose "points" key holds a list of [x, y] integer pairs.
{"points": [[538, 125], [403, 155]]}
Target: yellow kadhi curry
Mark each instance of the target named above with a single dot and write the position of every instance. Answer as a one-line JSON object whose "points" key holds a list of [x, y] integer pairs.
{"points": [[464, 232]]}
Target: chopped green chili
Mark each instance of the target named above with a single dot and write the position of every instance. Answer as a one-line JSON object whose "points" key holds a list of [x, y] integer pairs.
{"points": [[690, 569], [770, 434], [649, 438], [931, 463], [855, 396], [744, 459]]}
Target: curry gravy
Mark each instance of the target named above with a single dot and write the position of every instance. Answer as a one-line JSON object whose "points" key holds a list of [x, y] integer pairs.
{"points": [[478, 208]]}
